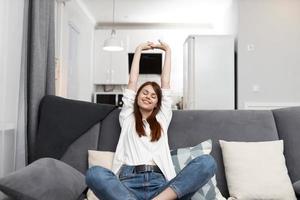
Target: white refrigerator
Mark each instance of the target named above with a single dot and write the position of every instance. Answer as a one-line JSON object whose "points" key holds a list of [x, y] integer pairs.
{"points": [[209, 72]]}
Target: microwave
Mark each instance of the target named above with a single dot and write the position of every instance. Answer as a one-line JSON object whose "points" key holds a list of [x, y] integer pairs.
{"points": [[113, 98]]}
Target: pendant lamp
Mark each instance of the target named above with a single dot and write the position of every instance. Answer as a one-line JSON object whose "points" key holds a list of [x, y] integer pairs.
{"points": [[112, 43]]}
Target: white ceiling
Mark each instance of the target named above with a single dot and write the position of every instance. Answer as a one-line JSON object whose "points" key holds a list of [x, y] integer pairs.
{"points": [[157, 11]]}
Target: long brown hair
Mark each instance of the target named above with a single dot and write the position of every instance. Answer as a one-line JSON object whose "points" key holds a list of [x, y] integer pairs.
{"points": [[155, 126]]}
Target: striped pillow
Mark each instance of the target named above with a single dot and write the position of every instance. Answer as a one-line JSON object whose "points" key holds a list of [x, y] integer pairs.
{"points": [[181, 157]]}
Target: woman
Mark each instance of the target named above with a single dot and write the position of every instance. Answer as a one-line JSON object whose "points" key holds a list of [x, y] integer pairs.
{"points": [[142, 166]]}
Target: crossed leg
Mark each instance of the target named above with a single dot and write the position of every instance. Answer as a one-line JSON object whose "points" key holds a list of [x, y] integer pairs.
{"points": [[189, 180], [106, 185]]}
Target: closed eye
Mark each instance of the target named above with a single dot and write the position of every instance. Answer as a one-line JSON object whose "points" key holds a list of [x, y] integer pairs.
{"points": [[145, 92]]}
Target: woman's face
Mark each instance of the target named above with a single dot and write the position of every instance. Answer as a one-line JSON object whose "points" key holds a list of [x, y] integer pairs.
{"points": [[147, 98]]}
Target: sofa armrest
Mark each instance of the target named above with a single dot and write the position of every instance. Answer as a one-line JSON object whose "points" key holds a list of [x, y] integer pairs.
{"points": [[46, 178]]}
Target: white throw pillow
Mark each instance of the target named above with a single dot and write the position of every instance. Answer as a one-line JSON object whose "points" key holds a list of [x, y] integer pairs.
{"points": [[99, 158], [256, 170]]}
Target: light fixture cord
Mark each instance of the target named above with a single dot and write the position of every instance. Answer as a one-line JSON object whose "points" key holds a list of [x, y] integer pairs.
{"points": [[113, 12], [113, 32]]}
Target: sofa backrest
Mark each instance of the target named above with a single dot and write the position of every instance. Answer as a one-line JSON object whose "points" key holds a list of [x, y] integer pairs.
{"points": [[288, 126], [67, 129], [189, 128]]}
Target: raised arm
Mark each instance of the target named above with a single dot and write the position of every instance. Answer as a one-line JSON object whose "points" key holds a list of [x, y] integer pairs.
{"points": [[135, 66], [166, 71]]}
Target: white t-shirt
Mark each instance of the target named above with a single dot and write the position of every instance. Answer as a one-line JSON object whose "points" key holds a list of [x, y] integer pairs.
{"points": [[135, 150]]}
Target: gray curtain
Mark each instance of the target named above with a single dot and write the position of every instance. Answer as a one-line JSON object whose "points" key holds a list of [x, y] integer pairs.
{"points": [[21, 143], [39, 63]]}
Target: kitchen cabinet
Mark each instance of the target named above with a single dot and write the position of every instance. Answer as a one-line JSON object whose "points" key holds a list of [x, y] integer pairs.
{"points": [[111, 68]]}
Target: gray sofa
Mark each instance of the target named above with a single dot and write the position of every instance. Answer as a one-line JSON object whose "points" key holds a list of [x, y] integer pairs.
{"points": [[68, 128]]}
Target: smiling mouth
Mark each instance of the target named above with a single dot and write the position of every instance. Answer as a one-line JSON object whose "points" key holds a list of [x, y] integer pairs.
{"points": [[147, 102]]}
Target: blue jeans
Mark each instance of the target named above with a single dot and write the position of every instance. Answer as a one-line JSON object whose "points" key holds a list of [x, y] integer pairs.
{"points": [[143, 186]]}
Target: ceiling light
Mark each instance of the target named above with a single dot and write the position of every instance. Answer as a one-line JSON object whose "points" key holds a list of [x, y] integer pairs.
{"points": [[112, 43]]}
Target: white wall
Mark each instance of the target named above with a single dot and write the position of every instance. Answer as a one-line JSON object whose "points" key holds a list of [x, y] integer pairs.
{"points": [[272, 29], [158, 11], [81, 79]]}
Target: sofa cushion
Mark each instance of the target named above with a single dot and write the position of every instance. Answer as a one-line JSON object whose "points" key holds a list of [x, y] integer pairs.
{"points": [[77, 153], [99, 158], [182, 156], [296, 187], [44, 179], [256, 170]]}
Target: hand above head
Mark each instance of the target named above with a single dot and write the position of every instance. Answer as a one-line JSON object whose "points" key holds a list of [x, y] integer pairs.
{"points": [[161, 45], [145, 46]]}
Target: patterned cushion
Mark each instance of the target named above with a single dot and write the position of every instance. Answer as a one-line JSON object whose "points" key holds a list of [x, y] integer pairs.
{"points": [[181, 157]]}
